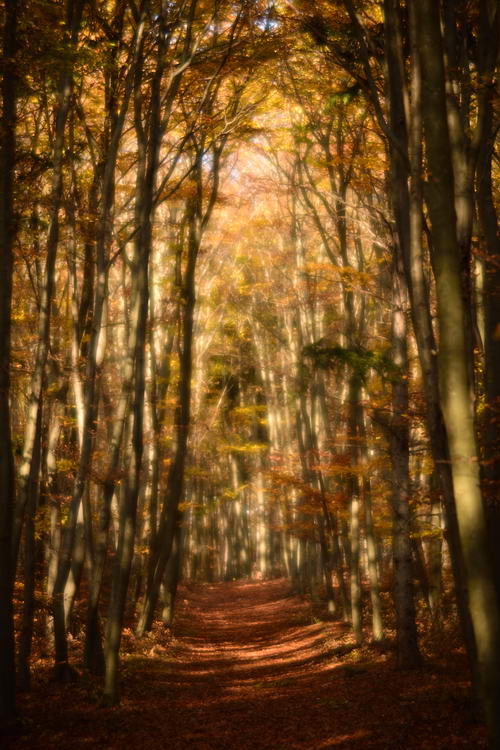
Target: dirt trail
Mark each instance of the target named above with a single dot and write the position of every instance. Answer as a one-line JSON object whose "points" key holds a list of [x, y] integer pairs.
{"points": [[250, 668]]}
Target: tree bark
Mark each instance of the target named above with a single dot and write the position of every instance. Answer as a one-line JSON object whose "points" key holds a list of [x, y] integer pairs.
{"points": [[7, 234], [488, 219], [408, 653], [175, 482], [115, 123], [409, 226], [454, 369], [74, 10]]}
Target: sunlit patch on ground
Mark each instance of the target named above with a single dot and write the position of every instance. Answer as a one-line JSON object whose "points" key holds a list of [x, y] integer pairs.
{"points": [[249, 668]]}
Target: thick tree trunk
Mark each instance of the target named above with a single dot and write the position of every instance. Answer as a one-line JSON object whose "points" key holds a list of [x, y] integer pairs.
{"points": [[463, 162], [454, 369], [489, 38], [409, 225]]}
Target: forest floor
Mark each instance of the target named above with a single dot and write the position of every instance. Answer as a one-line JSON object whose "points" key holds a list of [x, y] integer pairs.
{"points": [[249, 666]]}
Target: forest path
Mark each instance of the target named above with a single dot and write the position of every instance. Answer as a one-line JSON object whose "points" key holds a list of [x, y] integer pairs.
{"points": [[250, 668]]}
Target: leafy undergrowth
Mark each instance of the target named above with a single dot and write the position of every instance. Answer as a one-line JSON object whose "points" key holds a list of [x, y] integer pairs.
{"points": [[250, 666]]}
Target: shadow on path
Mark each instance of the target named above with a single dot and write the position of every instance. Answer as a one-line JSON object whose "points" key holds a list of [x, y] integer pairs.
{"points": [[249, 668]]}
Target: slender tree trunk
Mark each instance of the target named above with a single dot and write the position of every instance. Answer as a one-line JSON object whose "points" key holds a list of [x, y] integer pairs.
{"points": [[172, 574], [74, 13], [371, 548], [435, 553], [175, 483], [7, 233], [407, 645], [95, 352], [29, 561], [354, 507], [74, 9], [197, 220], [128, 504], [145, 191]]}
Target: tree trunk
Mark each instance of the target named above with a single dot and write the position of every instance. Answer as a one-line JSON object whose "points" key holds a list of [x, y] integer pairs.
{"points": [[7, 234], [409, 226], [355, 416], [95, 352], [74, 9], [175, 483], [171, 580], [372, 559], [29, 561], [408, 654], [454, 369], [489, 45]]}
